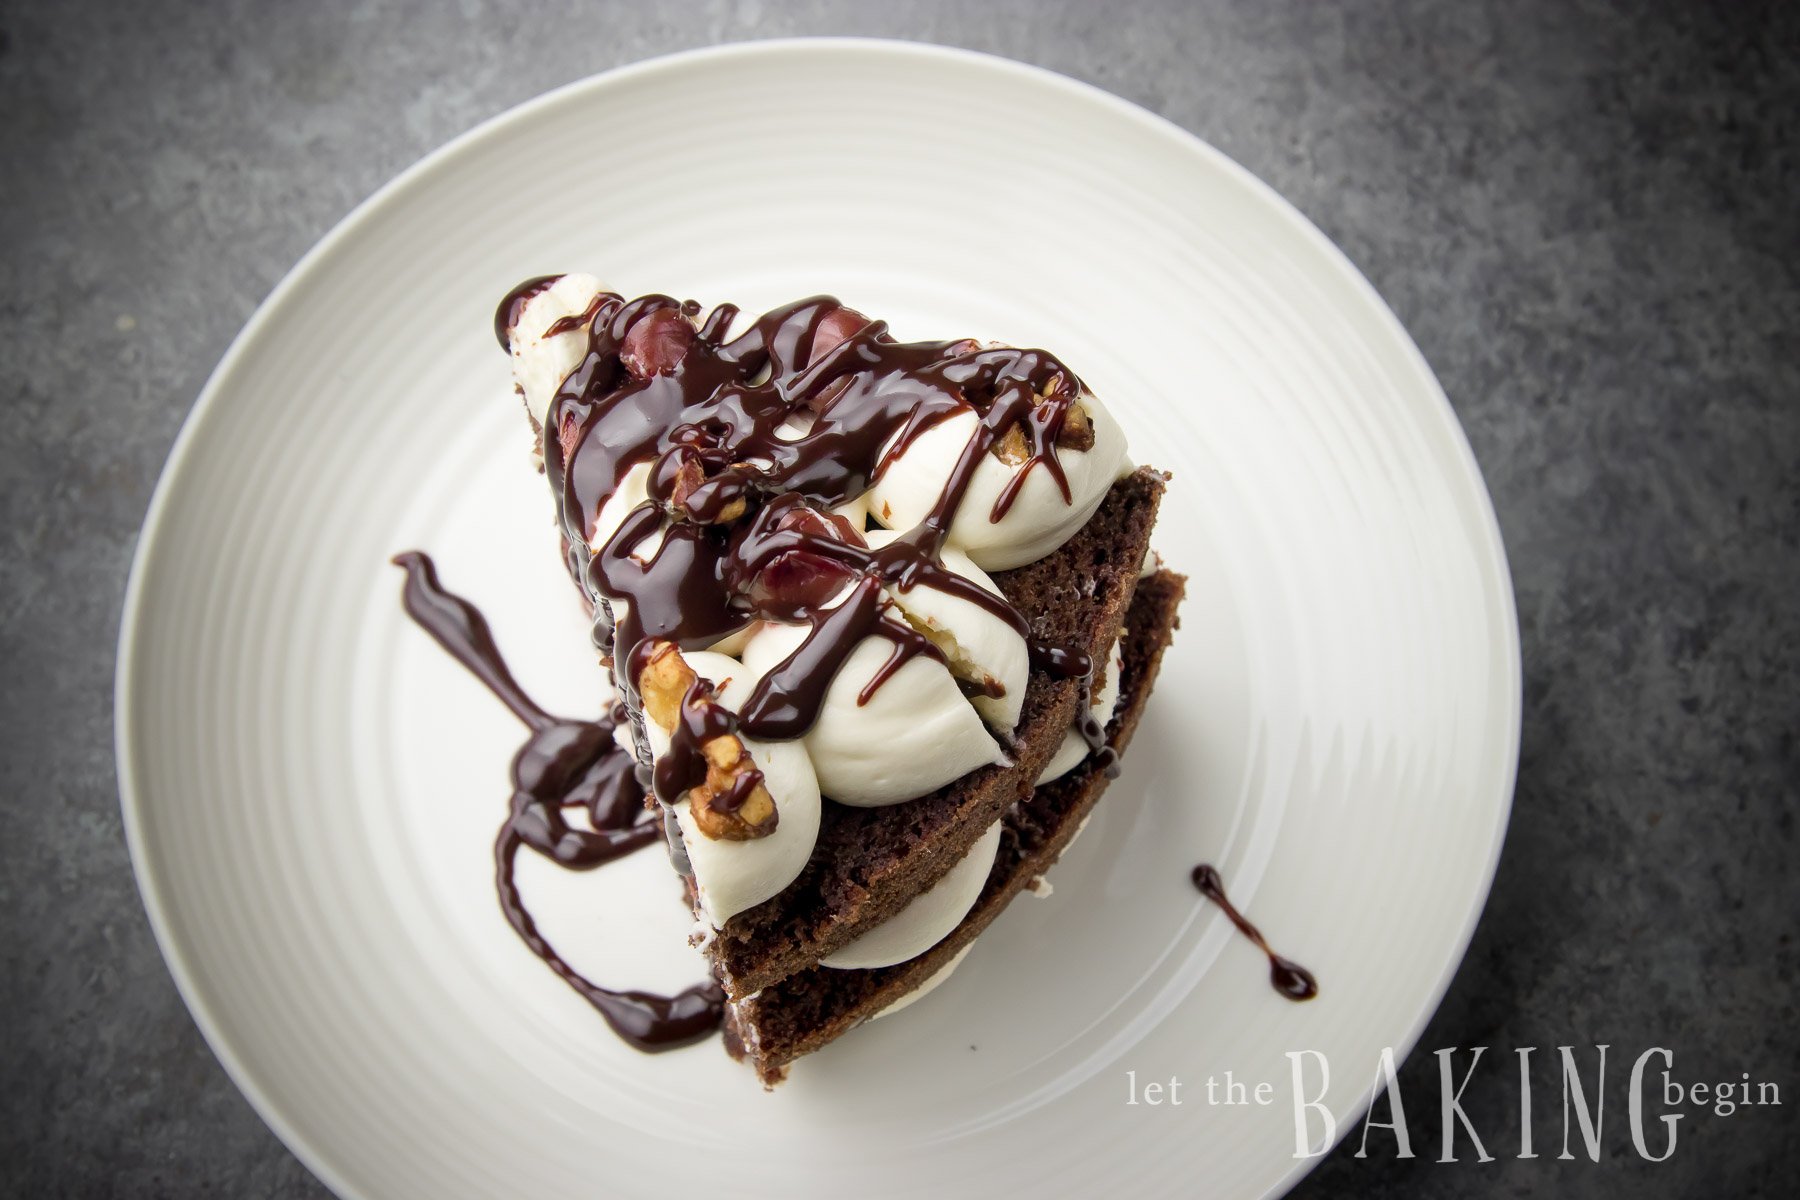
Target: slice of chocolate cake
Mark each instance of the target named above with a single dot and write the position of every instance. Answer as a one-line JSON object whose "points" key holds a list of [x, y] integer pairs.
{"points": [[860, 598]]}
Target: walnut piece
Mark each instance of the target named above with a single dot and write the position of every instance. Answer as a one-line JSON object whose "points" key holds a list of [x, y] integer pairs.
{"points": [[662, 685], [665, 685], [1011, 447], [1077, 429], [690, 477], [1077, 434]]}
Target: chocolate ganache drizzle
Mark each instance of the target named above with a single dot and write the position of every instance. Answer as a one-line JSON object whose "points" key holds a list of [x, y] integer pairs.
{"points": [[1286, 976], [751, 441], [564, 764]]}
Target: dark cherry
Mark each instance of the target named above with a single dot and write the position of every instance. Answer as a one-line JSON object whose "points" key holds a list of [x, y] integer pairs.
{"points": [[797, 581], [819, 522], [835, 328], [567, 431], [657, 343]]}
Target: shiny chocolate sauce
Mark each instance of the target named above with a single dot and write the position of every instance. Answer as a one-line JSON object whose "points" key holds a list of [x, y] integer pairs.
{"points": [[1286, 976], [563, 765], [507, 314], [1093, 731], [1066, 662], [750, 442]]}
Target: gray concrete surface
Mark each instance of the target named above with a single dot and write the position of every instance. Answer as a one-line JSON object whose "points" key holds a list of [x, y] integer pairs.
{"points": [[1588, 217]]}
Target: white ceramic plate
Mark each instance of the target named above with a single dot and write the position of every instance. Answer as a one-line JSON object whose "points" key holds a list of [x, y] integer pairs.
{"points": [[311, 787]]}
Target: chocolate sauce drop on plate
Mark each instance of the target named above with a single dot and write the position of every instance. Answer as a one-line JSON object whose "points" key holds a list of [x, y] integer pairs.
{"points": [[564, 764], [1287, 977]]}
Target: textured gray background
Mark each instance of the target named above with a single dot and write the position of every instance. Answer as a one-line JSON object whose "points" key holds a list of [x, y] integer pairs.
{"points": [[1586, 217]]}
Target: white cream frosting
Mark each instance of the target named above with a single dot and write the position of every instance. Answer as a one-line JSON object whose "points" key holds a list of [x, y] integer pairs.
{"points": [[540, 363], [1103, 703], [916, 733], [980, 646], [632, 491], [930, 985], [928, 917], [1038, 520]]}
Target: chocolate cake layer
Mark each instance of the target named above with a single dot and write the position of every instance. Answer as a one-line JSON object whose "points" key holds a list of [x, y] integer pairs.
{"points": [[869, 862], [812, 1007]]}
